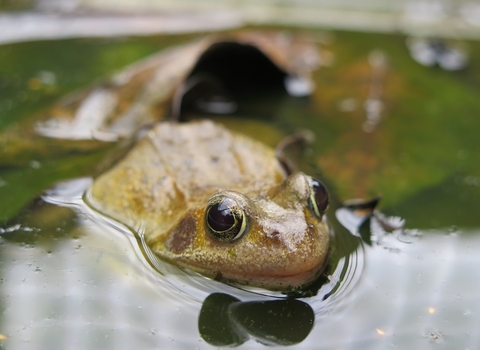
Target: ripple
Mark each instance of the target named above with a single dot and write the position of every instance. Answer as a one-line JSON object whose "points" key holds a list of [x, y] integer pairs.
{"points": [[182, 283]]}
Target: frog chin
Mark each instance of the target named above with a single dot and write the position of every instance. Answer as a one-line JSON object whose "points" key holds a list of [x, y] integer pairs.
{"points": [[269, 276], [275, 282]]}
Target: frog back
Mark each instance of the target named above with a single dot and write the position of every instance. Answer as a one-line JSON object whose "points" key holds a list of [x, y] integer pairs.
{"points": [[175, 167]]}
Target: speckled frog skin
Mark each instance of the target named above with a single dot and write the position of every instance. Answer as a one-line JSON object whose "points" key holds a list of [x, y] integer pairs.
{"points": [[219, 203]]}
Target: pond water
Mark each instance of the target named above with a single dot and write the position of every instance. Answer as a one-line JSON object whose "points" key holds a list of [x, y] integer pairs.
{"points": [[384, 124]]}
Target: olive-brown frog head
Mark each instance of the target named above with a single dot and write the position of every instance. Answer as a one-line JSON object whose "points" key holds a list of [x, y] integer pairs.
{"points": [[275, 238], [219, 203]]}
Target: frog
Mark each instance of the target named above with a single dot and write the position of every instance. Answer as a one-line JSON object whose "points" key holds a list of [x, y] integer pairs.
{"points": [[219, 203]]}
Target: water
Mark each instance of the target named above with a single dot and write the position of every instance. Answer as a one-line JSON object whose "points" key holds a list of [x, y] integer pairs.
{"points": [[72, 279], [408, 292], [98, 287], [95, 289]]}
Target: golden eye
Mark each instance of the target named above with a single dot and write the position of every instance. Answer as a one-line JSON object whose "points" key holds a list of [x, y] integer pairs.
{"points": [[225, 221], [318, 199]]}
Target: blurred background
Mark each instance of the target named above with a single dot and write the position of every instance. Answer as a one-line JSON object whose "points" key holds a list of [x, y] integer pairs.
{"points": [[395, 110], [441, 18]]}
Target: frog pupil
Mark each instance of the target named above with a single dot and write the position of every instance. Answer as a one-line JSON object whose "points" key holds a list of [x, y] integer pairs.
{"points": [[320, 195], [220, 217]]}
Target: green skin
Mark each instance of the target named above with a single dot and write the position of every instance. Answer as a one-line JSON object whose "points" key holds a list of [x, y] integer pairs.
{"points": [[166, 181]]}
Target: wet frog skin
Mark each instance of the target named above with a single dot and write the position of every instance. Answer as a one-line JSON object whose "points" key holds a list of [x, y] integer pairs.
{"points": [[219, 203]]}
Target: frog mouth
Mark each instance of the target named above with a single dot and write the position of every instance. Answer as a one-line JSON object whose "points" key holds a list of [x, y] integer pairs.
{"points": [[274, 282]]}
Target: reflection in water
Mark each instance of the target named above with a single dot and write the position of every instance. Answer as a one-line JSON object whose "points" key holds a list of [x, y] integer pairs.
{"points": [[227, 321], [255, 304], [82, 287]]}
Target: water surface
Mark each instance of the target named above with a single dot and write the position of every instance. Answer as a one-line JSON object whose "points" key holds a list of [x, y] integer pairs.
{"points": [[69, 279]]}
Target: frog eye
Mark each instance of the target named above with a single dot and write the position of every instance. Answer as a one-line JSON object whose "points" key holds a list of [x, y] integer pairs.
{"points": [[318, 199], [224, 219]]}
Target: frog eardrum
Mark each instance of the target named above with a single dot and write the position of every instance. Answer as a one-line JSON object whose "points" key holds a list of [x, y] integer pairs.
{"points": [[225, 221]]}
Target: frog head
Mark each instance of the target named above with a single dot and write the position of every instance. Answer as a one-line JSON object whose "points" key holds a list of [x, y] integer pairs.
{"points": [[274, 237]]}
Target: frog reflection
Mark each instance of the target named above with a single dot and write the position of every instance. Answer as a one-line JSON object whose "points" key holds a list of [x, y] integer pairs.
{"points": [[219, 203], [226, 321]]}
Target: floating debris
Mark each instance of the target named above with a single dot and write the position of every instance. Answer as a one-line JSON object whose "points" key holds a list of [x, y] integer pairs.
{"points": [[143, 92], [434, 51], [18, 227], [435, 337], [362, 219]]}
